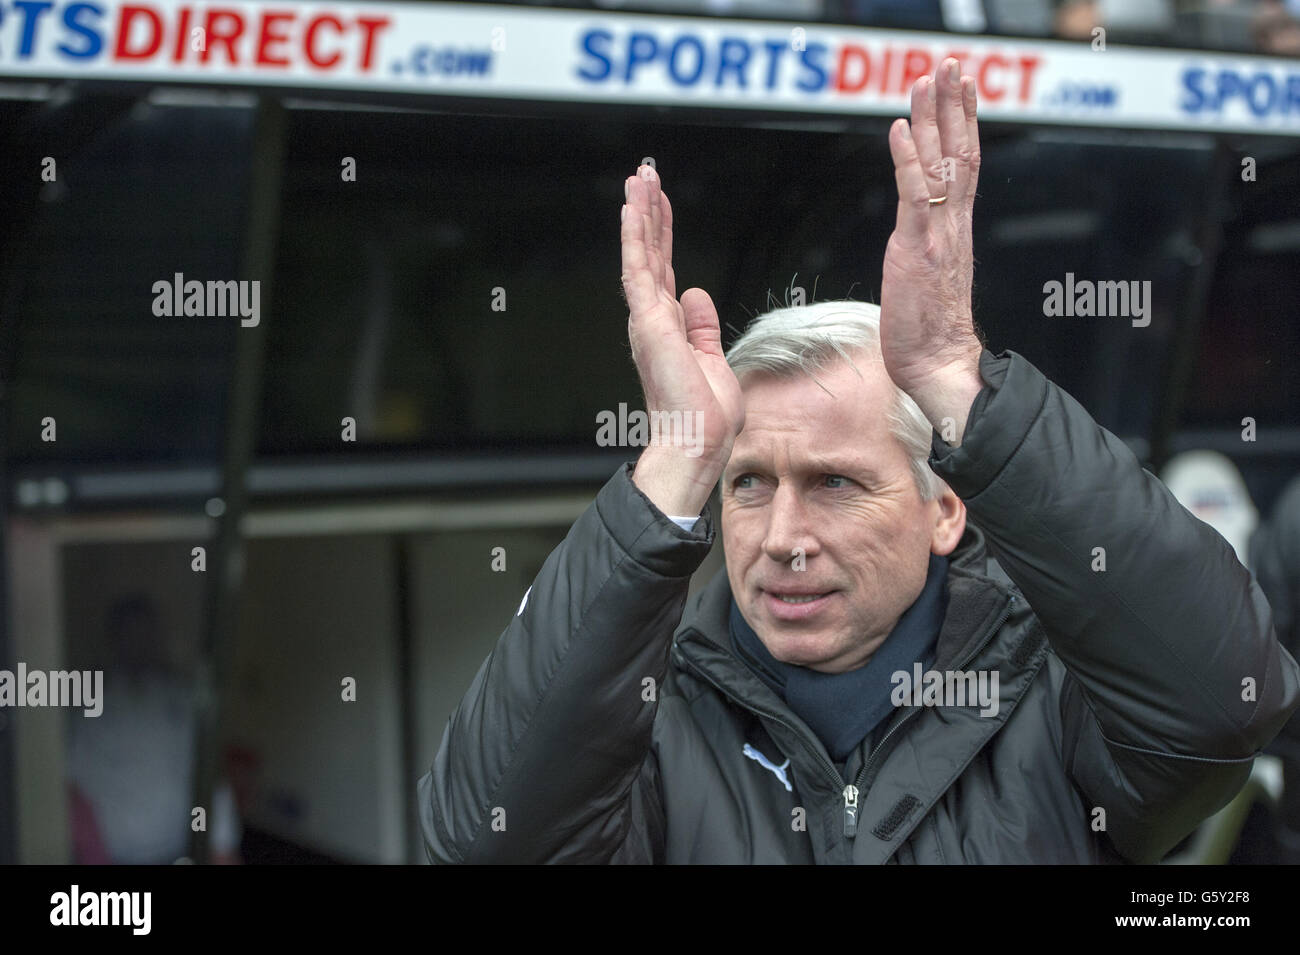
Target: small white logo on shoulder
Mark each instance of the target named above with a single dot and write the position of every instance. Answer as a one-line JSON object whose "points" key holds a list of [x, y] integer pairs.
{"points": [[778, 771]]}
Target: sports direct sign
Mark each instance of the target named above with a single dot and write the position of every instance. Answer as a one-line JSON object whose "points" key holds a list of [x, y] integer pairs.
{"points": [[519, 53]]}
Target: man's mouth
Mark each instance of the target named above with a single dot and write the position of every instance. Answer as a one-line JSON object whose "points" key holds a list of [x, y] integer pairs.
{"points": [[794, 605], [798, 598]]}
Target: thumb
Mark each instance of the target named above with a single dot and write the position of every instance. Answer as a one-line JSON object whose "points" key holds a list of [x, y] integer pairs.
{"points": [[702, 322]]}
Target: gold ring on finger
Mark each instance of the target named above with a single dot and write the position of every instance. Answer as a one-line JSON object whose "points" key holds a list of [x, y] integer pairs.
{"points": [[938, 202]]}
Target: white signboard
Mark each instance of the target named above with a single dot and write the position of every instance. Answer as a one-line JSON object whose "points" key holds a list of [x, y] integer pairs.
{"points": [[522, 53]]}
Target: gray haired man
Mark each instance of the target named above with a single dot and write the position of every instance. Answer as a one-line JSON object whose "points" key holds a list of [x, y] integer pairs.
{"points": [[1080, 672]]}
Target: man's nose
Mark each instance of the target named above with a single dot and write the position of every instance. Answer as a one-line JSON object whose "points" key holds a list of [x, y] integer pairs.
{"points": [[790, 527]]}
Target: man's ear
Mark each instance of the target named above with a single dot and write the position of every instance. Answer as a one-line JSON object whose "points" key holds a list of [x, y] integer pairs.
{"points": [[949, 521]]}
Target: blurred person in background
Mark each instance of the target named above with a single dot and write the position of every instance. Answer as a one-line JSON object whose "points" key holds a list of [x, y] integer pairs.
{"points": [[1076, 19], [130, 770], [1277, 27], [1209, 485]]}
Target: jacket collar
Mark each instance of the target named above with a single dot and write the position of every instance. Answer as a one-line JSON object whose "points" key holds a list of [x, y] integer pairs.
{"points": [[987, 626], [977, 598]]}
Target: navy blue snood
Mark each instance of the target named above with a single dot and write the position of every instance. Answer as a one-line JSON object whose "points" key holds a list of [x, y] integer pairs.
{"points": [[842, 708]]}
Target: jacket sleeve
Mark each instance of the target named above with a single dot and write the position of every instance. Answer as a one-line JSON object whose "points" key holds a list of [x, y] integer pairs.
{"points": [[548, 757], [1175, 676]]}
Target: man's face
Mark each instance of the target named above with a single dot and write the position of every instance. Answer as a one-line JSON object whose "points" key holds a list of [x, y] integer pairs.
{"points": [[817, 481]]}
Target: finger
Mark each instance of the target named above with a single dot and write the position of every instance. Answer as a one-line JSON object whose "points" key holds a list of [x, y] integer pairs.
{"points": [[951, 119], [650, 177], [969, 108], [913, 191], [638, 191], [639, 284], [702, 329], [925, 134], [666, 243], [661, 216]]}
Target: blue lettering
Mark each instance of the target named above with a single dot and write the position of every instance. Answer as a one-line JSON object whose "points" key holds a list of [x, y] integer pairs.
{"points": [[32, 10], [1261, 93], [774, 50], [1194, 101], [729, 63], [1229, 85], [604, 66], [94, 41], [641, 48], [810, 58], [1260, 109], [479, 63], [678, 77], [426, 61]]}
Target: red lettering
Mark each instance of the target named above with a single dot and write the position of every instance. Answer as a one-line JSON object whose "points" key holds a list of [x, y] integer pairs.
{"points": [[1027, 66], [266, 38], [181, 33], [226, 36], [916, 64], [987, 92], [855, 52], [124, 31], [309, 41], [885, 70], [370, 25]]}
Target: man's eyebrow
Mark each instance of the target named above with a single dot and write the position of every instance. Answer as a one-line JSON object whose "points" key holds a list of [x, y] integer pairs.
{"points": [[816, 465], [741, 465], [832, 465]]}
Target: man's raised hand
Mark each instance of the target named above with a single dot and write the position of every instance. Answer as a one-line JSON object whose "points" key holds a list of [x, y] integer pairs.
{"points": [[927, 333], [677, 347]]}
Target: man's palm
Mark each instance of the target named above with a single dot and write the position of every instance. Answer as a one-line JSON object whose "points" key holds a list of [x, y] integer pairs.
{"points": [[677, 346]]}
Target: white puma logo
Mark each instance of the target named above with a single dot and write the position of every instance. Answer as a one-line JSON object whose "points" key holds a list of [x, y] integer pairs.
{"points": [[766, 763]]}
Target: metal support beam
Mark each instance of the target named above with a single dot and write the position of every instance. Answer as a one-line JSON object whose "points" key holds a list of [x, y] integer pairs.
{"points": [[225, 559]]}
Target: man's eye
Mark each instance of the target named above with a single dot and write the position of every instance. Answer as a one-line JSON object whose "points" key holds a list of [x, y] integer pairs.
{"points": [[830, 478], [740, 482]]}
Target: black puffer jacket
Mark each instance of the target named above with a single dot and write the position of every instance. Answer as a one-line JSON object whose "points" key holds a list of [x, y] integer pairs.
{"points": [[1132, 699]]}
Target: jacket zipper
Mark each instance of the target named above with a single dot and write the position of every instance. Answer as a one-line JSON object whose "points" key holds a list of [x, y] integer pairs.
{"points": [[850, 810], [862, 781], [849, 793]]}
